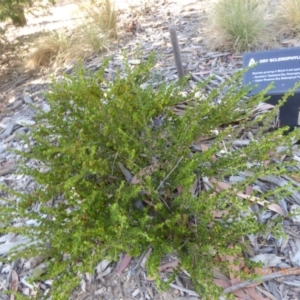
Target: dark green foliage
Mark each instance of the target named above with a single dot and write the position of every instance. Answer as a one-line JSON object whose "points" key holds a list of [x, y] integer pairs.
{"points": [[15, 10], [90, 211]]}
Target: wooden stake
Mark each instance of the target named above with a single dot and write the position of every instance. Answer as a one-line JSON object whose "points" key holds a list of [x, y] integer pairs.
{"points": [[176, 51]]}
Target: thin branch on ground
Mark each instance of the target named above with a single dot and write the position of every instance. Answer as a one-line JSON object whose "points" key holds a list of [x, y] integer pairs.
{"points": [[261, 279]]}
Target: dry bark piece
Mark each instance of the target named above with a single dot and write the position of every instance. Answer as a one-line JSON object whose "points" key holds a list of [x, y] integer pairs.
{"points": [[271, 206], [7, 168], [125, 172], [14, 282], [124, 263]]}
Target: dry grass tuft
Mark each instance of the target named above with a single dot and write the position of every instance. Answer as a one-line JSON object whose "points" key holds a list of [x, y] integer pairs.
{"points": [[142, 9], [57, 48], [238, 25], [102, 13], [287, 19], [49, 49], [92, 36], [88, 39]]}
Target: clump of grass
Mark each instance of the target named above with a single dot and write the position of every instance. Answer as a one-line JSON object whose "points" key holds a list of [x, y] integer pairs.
{"points": [[92, 36], [141, 9], [102, 13], [50, 48], [60, 47], [287, 19], [238, 25], [88, 39]]}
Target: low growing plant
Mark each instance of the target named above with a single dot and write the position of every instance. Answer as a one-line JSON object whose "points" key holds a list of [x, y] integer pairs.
{"points": [[115, 172]]}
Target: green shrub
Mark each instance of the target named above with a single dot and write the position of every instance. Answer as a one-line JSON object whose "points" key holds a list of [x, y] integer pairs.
{"points": [[238, 25], [98, 134], [15, 9]]}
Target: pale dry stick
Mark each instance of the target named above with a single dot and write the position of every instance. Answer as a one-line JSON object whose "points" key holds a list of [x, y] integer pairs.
{"points": [[126, 173], [225, 147], [176, 51], [169, 173], [132, 270], [121, 288], [190, 292], [113, 166], [165, 203], [261, 279]]}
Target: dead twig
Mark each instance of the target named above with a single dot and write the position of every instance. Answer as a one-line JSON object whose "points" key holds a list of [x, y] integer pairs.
{"points": [[190, 292], [169, 173], [263, 278], [132, 270]]}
